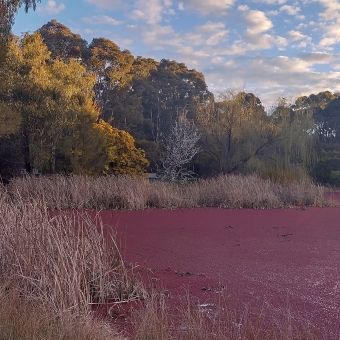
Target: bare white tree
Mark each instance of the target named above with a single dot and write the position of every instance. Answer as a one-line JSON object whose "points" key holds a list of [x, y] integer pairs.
{"points": [[180, 148]]}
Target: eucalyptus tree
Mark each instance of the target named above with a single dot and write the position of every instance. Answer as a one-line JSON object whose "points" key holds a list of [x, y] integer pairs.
{"points": [[111, 66], [62, 42], [168, 88], [125, 104]]}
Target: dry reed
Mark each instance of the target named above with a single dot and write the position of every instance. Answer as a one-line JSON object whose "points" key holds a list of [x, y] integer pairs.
{"points": [[63, 261], [137, 193], [21, 319]]}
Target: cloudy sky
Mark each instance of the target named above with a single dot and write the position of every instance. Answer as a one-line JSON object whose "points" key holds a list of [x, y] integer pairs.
{"points": [[272, 48]]}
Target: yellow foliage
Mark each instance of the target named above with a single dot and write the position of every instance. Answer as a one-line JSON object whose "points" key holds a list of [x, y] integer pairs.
{"points": [[122, 155]]}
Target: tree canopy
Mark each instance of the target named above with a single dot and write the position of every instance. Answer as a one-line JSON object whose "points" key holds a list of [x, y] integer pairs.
{"points": [[54, 101], [61, 42], [238, 135]]}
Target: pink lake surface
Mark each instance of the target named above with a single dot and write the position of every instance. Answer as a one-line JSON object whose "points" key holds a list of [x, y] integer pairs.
{"points": [[280, 259]]}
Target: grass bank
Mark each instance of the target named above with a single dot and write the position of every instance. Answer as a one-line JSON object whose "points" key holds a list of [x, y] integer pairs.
{"points": [[137, 193]]}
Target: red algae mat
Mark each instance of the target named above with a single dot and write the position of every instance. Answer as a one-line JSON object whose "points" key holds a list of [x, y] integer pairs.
{"points": [[285, 259]]}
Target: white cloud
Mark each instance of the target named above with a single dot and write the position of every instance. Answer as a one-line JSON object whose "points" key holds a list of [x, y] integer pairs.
{"points": [[273, 76], [158, 36], [326, 42], [102, 20], [211, 33], [331, 34], [332, 9], [301, 25], [257, 22], [273, 13], [230, 54], [150, 11], [263, 42], [243, 8], [295, 35], [300, 17], [51, 8], [211, 6], [249, 43], [291, 10]]}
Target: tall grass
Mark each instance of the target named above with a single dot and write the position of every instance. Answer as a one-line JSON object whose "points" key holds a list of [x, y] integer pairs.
{"points": [[21, 319], [137, 193], [64, 262]]}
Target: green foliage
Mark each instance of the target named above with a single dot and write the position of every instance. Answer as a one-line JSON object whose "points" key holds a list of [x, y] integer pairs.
{"points": [[239, 136], [48, 94], [139, 95], [9, 120], [61, 42], [147, 105], [111, 67], [96, 148], [327, 167], [325, 106], [59, 127]]}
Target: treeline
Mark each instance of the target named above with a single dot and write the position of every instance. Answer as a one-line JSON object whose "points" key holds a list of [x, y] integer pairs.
{"points": [[67, 105]]}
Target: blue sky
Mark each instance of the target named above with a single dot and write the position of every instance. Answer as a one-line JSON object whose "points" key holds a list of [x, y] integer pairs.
{"points": [[272, 48]]}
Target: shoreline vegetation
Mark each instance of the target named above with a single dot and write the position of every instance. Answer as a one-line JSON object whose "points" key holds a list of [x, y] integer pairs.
{"points": [[126, 192], [56, 265]]}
